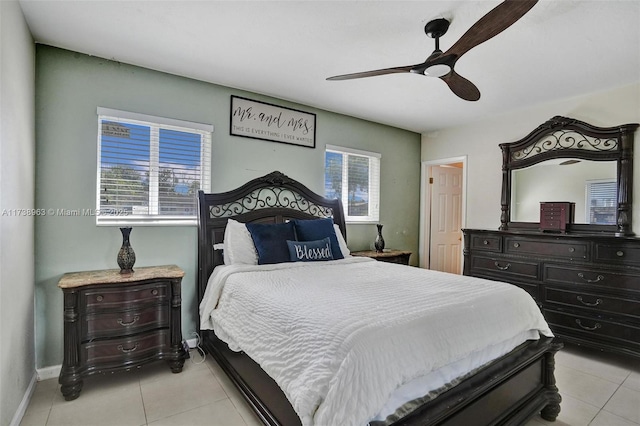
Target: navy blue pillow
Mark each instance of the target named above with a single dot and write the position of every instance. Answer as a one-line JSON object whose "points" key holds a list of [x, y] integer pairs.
{"points": [[310, 251], [317, 229], [270, 240]]}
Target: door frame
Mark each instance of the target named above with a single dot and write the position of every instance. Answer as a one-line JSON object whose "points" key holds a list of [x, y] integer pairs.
{"points": [[425, 206]]}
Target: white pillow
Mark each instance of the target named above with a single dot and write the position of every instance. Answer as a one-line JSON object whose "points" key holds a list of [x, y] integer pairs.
{"points": [[341, 242], [238, 245]]}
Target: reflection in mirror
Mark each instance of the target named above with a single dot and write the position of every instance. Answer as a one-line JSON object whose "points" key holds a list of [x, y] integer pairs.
{"points": [[591, 185]]}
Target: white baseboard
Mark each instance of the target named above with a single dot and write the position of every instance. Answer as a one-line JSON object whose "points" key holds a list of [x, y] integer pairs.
{"points": [[47, 373], [54, 371], [22, 408]]}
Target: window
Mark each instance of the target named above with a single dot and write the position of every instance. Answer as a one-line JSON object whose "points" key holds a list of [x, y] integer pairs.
{"points": [[602, 201], [354, 177], [150, 169]]}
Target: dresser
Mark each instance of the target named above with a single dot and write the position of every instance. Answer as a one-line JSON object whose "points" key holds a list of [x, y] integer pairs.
{"points": [[587, 286], [391, 256], [119, 322]]}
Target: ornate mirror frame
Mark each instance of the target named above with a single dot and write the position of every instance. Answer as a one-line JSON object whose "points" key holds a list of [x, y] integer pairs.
{"points": [[562, 137]]}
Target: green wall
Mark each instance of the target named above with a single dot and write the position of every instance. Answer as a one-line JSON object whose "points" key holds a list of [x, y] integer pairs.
{"points": [[69, 88]]}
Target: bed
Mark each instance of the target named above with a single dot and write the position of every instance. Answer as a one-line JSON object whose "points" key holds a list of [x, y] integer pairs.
{"points": [[507, 388]]}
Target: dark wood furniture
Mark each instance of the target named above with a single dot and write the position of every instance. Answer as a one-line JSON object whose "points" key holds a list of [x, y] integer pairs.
{"points": [[509, 390], [588, 286], [587, 280], [388, 255], [555, 216], [562, 137], [115, 322]]}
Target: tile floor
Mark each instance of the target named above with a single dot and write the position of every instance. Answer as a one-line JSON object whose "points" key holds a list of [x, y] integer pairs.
{"points": [[597, 390]]}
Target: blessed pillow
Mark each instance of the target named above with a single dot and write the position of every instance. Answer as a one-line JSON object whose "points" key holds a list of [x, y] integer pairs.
{"points": [[238, 245], [310, 251], [270, 241], [317, 229]]}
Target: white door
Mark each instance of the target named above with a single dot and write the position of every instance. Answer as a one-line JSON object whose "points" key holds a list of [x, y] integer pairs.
{"points": [[446, 211]]}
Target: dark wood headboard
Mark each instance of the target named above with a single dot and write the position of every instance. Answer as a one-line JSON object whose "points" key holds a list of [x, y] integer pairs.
{"points": [[273, 198]]}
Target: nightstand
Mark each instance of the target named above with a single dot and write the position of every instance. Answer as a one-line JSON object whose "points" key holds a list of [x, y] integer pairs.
{"points": [[118, 322], [391, 256]]}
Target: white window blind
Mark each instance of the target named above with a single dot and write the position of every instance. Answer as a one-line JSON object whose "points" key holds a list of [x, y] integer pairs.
{"points": [[354, 177], [602, 201], [150, 168]]}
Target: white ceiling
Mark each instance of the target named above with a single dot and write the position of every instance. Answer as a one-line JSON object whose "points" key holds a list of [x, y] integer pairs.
{"points": [[286, 49]]}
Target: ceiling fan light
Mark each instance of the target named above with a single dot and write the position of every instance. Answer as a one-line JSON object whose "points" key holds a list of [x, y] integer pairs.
{"points": [[437, 70]]}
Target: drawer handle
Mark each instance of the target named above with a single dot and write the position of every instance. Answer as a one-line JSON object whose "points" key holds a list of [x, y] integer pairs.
{"points": [[485, 242], [598, 278], [571, 249], [595, 327], [99, 298], [502, 268], [597, 302], [126, 351], [516, 245], [135, 319], [619, 253], [154, 291]]}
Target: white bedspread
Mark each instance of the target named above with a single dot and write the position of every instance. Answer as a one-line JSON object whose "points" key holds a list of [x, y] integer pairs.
{"points": [[338, 337]]}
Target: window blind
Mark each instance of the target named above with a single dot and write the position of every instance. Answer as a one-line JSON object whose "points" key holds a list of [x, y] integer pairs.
{"points": [[354, 177], [602, 202], [150, 168]]}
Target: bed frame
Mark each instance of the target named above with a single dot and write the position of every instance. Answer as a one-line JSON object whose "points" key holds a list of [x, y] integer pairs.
{"points": [[508, 391]]}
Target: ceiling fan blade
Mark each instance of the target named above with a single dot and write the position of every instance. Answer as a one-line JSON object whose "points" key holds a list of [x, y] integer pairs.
{"points": [[372, 73], [493, 23], [462, 87]]}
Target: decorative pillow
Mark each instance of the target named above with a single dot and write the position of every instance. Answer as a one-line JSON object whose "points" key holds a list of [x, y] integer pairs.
{"points": [[238, 246], [317, 229], [310, 251], [341, 242], [270, 241]]}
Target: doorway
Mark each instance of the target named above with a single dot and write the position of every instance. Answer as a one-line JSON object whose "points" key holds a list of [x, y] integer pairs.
{"points": [[442, 214]]}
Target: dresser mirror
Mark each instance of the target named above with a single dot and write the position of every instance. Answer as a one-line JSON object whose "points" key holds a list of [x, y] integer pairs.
{"points": [[591, 185], [566, 160]]}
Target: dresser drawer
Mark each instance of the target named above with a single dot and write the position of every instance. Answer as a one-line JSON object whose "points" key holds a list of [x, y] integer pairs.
{"points": [[113, 324], [546, 248], [125, 349], [586, 327], [491, 243], [619, 253], [597, 303], [507, 268], [585, 276], [124, 297]]}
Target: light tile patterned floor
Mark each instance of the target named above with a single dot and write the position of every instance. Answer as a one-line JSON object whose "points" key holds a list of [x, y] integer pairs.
{"points": [[597, 389]]}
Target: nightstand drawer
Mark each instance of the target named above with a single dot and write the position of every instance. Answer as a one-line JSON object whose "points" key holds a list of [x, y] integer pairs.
{"points": [[108, 298], [126, 349], [123, 323]]}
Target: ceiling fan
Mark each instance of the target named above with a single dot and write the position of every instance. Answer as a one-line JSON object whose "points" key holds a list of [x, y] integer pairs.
{"points": [[440, 64]]}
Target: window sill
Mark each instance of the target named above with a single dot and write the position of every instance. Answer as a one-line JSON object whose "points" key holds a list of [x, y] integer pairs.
{"points": [[130, 222]]}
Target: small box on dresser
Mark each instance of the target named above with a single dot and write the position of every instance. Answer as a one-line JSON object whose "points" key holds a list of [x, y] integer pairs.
{"points": [[555, 216], [117, 322]]}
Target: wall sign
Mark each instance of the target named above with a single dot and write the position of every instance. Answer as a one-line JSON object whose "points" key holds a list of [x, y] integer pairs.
{"points": [[260, 120]]}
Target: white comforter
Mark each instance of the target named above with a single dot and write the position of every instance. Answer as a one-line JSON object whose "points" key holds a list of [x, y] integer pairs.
{"points": [[338, 337]]}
